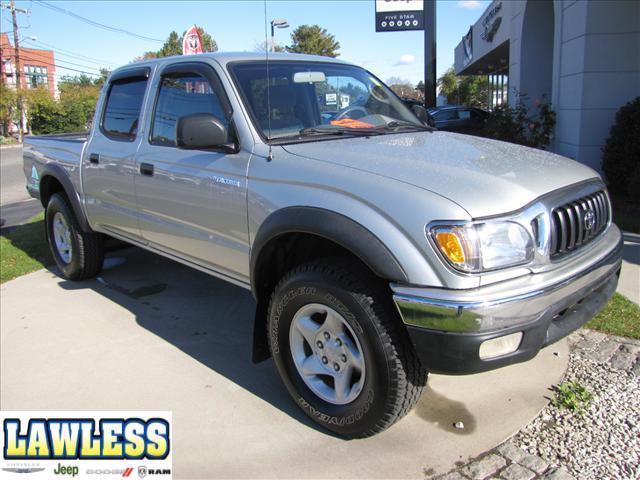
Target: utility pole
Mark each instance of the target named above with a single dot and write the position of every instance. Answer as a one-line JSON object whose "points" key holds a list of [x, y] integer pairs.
{"points": [[429, 53], [18, 69]]}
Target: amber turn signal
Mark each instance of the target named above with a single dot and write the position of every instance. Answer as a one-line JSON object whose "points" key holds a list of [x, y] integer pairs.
{"points": [[450, 245]]}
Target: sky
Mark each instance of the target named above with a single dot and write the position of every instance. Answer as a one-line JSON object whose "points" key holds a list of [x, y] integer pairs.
{"points": [[236, 26]]}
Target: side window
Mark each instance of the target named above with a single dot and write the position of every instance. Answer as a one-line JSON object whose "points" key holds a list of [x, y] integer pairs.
{"points": [[122, 110], [446, 115], [464, 114], [182, 95]]}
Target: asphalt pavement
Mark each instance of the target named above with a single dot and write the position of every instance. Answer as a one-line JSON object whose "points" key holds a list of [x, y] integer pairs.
{"points": [[16, 206]]}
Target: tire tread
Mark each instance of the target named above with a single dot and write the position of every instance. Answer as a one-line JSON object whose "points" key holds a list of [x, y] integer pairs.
{"points": [[407, 374]]}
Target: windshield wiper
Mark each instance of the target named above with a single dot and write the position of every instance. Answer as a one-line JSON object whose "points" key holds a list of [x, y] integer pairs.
{"points": [[310, 131], [398, 124]]}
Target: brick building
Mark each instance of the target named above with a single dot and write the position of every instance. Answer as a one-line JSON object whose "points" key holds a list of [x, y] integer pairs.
{"points": [[38, 66]]}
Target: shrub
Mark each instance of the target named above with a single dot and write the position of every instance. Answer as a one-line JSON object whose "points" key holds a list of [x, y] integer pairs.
{"points": [[621, 153], [518, 125], [44, 114]]}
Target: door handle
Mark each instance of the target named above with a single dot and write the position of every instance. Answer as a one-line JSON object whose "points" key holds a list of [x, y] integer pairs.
{"points": [[94, 158], [146, 169]]}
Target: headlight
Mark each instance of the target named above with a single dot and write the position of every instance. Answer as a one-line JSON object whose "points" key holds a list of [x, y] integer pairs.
{"points": [[479, 247]]}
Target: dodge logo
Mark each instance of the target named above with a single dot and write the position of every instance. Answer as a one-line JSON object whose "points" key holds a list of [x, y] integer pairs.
{"points": [[589, 219]]}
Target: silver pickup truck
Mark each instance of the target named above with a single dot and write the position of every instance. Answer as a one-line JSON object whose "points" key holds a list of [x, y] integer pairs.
{"points": [[378, 248]]}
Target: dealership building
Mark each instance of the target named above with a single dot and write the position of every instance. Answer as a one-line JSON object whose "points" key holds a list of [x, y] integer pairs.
{"points": [[582, 56]]}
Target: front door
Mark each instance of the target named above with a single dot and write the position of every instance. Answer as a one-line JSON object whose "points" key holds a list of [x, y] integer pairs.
{"points": [[193, 203], [109, 158]]}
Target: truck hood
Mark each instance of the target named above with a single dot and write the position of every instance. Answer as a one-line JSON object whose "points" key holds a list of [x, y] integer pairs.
{"points": [[485, 177]]}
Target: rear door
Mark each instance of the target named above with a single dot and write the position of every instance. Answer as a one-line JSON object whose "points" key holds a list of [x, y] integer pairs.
{"points": [[109, 160], [193, 203]]}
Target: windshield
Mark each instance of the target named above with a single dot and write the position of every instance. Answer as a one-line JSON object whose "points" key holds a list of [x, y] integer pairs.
{"points": [[316, 98]]}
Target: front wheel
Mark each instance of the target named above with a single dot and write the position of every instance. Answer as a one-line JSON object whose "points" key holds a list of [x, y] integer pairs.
{"points": [[338, 345], [78, 255]]}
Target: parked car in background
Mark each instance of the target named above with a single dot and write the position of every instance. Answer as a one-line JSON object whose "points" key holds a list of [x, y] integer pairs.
{"points": [[459, 119]]}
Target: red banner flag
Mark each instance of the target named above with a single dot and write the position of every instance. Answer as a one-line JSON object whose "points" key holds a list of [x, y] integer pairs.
{"points": [[192, 42]]}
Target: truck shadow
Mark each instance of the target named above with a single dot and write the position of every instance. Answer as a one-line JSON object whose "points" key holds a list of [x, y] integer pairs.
{"points": [[208, 319]]}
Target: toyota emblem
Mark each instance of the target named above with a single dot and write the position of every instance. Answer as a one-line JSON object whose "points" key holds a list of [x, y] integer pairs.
{"points": [[589, 219]]}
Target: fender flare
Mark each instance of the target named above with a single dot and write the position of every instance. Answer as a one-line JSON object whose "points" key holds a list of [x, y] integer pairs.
{"points": [[333, 226], [60, 174], [328, 224]]}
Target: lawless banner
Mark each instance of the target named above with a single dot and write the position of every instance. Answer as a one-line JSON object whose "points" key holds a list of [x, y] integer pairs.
{"points": [[86, 444], [399, 15], [192, 42]]}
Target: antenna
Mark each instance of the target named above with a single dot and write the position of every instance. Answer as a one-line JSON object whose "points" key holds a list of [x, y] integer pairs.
{"points": [[266, 50]]}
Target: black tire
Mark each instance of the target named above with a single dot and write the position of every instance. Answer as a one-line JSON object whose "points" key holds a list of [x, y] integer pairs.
{"points": [[394, 377], [87, 249]]}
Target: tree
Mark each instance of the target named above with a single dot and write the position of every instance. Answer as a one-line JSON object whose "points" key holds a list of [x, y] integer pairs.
{"points": [[470, 90], [262, 47], [8, 108], [313, 40], [44, 114], [404, 89], [78, 98], [173, 45]]}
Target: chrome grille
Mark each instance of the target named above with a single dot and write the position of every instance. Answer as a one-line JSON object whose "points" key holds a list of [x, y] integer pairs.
{"points": [[576, 223]]}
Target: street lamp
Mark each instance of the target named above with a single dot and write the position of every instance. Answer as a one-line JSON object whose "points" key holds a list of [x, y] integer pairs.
{"points": [[277, 23]]}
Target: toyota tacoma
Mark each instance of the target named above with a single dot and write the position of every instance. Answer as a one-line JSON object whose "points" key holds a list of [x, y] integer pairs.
{"points": [[377, 248]]}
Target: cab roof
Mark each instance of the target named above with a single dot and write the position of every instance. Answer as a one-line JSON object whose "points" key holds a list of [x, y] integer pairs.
{"points": [[223, 58]]}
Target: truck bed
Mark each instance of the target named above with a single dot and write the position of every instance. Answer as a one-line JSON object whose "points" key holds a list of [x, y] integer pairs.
{"points": [[65, 150]]}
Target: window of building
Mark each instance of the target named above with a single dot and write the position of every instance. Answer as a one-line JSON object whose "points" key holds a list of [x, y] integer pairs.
{"points": [[182, 95], [36, 76], [122, 110]]}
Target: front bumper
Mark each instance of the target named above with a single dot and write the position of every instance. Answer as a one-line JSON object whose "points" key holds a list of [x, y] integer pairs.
{"points": [[447, 327]]}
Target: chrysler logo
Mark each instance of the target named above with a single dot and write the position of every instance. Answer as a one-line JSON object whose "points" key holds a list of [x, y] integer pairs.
{"points": [[589, 219]]}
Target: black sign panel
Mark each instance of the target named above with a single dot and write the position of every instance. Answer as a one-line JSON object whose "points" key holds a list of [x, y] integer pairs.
{"points": [[399, 15]]}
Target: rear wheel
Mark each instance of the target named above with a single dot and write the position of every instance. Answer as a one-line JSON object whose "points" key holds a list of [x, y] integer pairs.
{"points": [[340, 349], [78, 255]]}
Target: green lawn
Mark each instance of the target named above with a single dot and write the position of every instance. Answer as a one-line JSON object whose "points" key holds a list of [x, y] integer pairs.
{"points": [[24, 249], [619, 317]]}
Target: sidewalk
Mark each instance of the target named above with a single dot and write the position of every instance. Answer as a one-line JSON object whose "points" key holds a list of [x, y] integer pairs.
{"points": [[153, 334]]}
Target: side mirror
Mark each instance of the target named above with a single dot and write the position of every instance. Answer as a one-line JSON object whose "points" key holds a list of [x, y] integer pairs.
{"points": [[202, 131], [422, 114]]}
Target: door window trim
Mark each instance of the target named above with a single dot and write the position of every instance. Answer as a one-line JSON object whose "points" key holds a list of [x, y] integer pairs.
{"points": [[130, 74], [207, 72]]}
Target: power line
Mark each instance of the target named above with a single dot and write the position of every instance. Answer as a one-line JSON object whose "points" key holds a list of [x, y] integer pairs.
{"points": [[96, 24], [62, 51], [41, 62], [63, 61]]}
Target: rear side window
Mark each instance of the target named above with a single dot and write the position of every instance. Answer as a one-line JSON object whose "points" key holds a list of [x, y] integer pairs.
{"points": [[122, 110], [446, 115], [179, 96]]}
